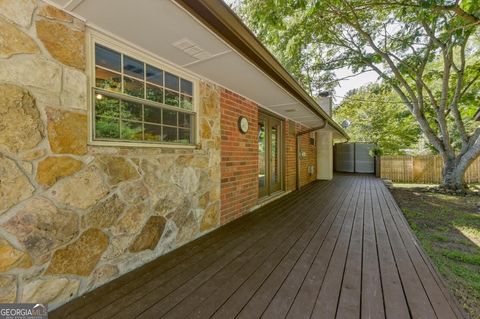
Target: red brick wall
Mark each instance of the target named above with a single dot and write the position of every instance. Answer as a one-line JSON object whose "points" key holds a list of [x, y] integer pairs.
{"points": [[239, 156], [310, 159], [290, 155]]}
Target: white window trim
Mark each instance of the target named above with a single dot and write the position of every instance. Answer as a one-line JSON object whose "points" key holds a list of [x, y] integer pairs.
{"points": [[93, 37]]}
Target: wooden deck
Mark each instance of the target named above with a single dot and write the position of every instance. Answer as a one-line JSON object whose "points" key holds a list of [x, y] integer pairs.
{"points": [[338, 249]]}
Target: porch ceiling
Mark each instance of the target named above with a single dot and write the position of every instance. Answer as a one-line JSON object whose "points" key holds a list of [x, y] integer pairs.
{"points": [[169, 32]]}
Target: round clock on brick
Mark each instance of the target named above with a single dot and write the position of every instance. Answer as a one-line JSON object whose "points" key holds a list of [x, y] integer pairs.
{"points": [[243, 124]]}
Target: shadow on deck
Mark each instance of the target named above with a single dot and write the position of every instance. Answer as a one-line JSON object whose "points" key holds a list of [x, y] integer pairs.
{"points": [[338, 249]]}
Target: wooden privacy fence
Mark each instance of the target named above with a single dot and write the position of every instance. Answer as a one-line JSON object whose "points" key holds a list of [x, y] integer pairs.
{"points": [[421, 169]]}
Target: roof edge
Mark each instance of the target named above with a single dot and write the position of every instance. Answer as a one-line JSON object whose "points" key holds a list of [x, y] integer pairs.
{"points": [[227, 25]]}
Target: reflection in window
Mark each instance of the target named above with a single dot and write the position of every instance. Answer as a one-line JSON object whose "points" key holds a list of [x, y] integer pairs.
{"points": [[107, 107], [184, 136], [140, 79], [107, 58], [120, 119], [184, 120], [107, 127], [154, 75], [186, 102], [187, 87], [169, 134], [171, 98], [154, 93], [153, 132], [171, 81], [150, 115], [261, 156], [131, 111], [133, 67], [108, 80], [170, 117], [133, 87], [131, 131]]}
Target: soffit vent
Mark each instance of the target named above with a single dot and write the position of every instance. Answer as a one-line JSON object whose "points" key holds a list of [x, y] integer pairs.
{"points": [[192, 49]]}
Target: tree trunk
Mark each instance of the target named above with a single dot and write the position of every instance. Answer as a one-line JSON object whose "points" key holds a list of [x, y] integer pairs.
{"points": [[453, 176]]}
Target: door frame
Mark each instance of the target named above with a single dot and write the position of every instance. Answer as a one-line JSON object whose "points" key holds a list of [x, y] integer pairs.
{"points": [[281, 143]]}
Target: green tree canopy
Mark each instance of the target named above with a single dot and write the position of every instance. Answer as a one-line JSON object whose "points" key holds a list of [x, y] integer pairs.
{"points": [[377, 115], [425, 50]]}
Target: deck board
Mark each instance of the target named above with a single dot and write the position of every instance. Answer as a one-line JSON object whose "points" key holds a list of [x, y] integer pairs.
{"points": [[327, 299], [285, 296], [305, 300], [350, 294], [337, 249], [372, 295]]}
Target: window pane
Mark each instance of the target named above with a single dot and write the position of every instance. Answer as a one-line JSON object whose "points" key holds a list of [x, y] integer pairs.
{"points": [[171, 81], [187, 87], [133, 67], [184, 136], [154, 93], [184, 120], [107, 58], [186, 102], [107, 106], [131, 111], [133, 87], [170, 117], [153, 132], [107, 128], [154, 75], [131, 130], [116, 118], [171, 98], [152, 114], [107, 80], [169, 134]]}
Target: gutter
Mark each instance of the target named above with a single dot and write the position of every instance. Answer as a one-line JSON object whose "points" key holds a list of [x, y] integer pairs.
{"points": [[227, 25], [299, 134]]}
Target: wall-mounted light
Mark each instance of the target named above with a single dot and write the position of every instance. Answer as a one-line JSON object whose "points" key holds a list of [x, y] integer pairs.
{"points": [[99, 96], [346, 124]]}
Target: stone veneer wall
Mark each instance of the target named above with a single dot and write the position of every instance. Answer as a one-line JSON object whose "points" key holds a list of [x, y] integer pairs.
{"points": [[74, 216]]}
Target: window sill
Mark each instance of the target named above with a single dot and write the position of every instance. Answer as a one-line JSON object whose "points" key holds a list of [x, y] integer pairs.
{"points": [[141, 145]]}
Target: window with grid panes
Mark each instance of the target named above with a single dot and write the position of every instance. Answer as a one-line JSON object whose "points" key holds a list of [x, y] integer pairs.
{"points": [[138, 102]]}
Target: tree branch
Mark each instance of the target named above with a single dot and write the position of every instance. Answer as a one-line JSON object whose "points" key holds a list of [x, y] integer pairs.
{"points": [[454, 8], [456, 97]]}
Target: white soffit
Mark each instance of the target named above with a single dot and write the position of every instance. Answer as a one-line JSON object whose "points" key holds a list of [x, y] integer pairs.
{"points": [[169, 32]]}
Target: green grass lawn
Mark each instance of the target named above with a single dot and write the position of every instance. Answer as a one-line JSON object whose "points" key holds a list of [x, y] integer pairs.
{"points": [[448, 228]]}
